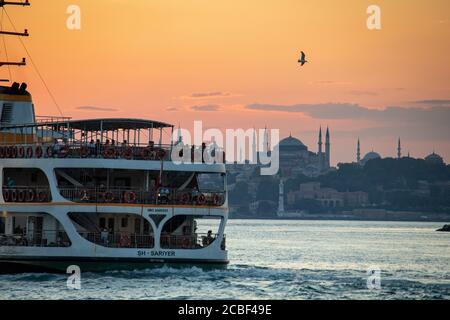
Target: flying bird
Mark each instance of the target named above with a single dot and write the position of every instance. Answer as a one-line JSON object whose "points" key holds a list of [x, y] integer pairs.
{"points": [[302, 59]]}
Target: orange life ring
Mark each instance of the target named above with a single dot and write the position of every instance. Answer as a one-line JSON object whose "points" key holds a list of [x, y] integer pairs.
{"points": [[21, 152], [21, 196], [42, 196], [29, 152], [6, 195], [185, 198], [217, 199], [30, 195], [13, 152], [108, 196], [50, 152], [201, 199], [13, 196], [38, 152], [130, 197]]}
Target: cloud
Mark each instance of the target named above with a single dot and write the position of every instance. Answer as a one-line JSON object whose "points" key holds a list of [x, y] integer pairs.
{"points": [[208, 107], [171, 109], [416, 122], [94, 108], [208, 95], [434, 102]]}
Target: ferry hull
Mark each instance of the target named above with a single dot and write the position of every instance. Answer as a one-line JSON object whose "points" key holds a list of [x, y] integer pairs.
{"points": [[15, 265]]}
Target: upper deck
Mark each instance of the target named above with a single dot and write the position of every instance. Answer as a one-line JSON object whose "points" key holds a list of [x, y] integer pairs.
{"points": [[111, 139]]}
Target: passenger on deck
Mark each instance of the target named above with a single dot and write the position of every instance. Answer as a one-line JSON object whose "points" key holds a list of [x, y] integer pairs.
{"points": [[10, 182], [104, 236], [92, 147], [56, 146], [97, 147]]}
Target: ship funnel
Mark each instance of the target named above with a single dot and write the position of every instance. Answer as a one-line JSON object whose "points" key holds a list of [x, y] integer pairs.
{"points": [[23, 87]]}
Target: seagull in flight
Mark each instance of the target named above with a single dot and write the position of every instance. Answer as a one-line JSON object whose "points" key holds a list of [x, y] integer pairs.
{"points": [[302, 59]]}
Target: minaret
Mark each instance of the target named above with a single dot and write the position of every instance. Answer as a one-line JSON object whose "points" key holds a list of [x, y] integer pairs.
{"points": [[320, 152], [327, 149], [265, 142], [281, 198], [399, 149], [358, 152]]}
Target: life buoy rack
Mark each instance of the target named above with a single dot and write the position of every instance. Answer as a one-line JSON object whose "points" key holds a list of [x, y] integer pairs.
{"points": [[85, 152], [29, 152], [38, 152], [21, 152], [130, 197], [201, 199]]}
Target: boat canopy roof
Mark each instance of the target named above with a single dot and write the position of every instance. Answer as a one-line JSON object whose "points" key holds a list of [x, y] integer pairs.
{"points": [[112, 124], [105, 124]]}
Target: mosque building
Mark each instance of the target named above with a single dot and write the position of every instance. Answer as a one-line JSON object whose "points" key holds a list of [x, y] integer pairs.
{"points": [[296, 158]]}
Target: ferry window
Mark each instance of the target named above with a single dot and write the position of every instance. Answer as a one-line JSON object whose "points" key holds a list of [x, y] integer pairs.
{"points": [[211, 182], [146, 227], [124, 222], [102, 223], [2, 225], [137, 226]]}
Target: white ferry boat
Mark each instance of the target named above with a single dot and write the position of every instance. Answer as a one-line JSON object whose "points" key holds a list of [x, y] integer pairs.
{"points": [[101, 193]]}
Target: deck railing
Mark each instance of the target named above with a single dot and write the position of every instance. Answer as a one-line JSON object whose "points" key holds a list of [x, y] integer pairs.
{"points": [[119, 239], [36, 239], [104, 151], [195, 241], [162, 196]]}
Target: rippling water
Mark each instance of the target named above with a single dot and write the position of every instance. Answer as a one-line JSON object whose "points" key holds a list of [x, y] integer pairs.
{"points": [[280, 260]]}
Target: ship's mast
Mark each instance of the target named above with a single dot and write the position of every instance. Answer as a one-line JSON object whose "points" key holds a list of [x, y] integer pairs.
{"points": [[4, 3]]}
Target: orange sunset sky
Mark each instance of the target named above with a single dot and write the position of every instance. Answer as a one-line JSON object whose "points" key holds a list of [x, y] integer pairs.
{"points": [[233, 64]]}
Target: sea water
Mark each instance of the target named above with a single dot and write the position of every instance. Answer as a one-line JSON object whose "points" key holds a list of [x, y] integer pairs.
{"points": [[273, 259]]}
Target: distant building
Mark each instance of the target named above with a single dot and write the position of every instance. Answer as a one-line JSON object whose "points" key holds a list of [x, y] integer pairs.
{"points": [[295, 158], [434, 158], [328, 197]]}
